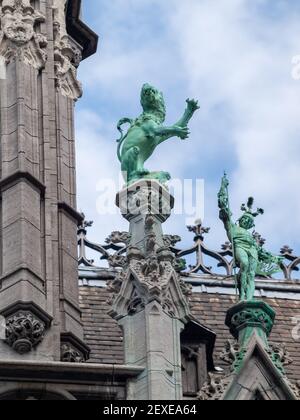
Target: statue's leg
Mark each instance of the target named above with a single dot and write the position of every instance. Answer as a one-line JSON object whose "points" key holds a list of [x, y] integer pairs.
{"points": [[130, 163], [251, 278], [140, 169], [243, 261]]}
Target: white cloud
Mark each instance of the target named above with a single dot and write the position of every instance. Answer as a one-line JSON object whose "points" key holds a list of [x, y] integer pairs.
{"points": [[243, 59], [230, 54], [96, 161]]}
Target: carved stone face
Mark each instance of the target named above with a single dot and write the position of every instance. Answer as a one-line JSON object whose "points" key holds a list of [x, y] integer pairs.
{"points": [[153, 101], [246, 222], [18, 23]]}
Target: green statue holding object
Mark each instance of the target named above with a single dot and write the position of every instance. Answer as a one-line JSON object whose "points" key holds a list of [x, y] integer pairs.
{"points": [[249, 255], [147, 132]]}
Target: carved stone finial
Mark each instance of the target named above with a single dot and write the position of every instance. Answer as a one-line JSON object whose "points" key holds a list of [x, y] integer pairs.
{"points": [[118, 238], [85, 223], [198, 229]]}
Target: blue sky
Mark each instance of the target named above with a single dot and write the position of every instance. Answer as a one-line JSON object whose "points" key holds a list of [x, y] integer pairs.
{"points": [[235, 57]]}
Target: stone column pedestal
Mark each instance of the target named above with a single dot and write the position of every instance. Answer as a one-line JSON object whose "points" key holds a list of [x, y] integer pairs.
{"points": [[249, 322], [150, 300], [246, 318]]}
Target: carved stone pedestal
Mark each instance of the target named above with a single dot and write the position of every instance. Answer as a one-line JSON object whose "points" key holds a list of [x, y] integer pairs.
{"points": [[246, 318], [256, 365], [140, 200], [150, 300]]}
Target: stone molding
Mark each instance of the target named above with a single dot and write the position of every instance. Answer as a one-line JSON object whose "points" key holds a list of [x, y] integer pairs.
{"points": [[79, 31], [22, 176], [70, 211]]}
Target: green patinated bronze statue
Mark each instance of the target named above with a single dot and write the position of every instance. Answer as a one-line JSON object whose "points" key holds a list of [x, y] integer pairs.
{"points": [[147, 132], [249, 255]]}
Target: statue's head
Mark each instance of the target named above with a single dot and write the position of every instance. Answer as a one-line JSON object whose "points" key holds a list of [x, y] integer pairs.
{"points": [[152, 100], [247, 220], [18, 25]]}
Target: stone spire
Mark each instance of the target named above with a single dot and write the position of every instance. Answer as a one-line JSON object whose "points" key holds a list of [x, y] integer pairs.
{"points": [[150, 301], [257, 366], [38, 254]]}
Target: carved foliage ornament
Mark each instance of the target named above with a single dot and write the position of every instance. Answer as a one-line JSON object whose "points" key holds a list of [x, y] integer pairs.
{"points": [[18, 36], [215, 387], [280, 356], [233, 355], [296, 388], [24, 331], [69, 354], [67, 55], [152, 277]]}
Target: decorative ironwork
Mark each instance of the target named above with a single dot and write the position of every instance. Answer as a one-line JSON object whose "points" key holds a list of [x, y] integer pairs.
{"points": [[293, 262], [114, 252], [117, 242]]}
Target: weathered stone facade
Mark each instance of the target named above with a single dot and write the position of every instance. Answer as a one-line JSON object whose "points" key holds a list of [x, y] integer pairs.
{"points": [[38, 223]]}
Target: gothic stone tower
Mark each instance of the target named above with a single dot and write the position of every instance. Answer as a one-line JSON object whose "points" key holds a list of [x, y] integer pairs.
{"points": [[41, 45]]}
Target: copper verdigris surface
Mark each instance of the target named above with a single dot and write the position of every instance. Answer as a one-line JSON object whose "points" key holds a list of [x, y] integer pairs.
{"points": [[147, 132], [249, 254]]}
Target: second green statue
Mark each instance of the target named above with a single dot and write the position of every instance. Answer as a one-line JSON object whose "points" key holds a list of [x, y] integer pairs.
{"points": [[249, 255]]}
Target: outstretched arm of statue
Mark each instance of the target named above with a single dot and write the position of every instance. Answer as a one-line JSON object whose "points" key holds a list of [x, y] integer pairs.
{"points": [[179, 129], [192, 107], [223, 202]]}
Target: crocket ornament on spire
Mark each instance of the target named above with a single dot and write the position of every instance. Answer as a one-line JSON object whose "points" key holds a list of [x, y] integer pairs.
{"points": [[249, 255], [147, 132]]}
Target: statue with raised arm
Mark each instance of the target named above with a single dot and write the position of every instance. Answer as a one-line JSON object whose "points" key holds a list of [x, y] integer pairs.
{"points": [[249, 255], [147, 132]]}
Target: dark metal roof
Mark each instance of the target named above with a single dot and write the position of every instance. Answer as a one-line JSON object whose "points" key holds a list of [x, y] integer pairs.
{"points": [[79, 30]]}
